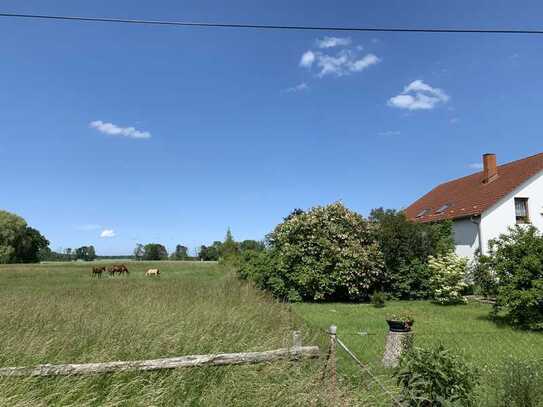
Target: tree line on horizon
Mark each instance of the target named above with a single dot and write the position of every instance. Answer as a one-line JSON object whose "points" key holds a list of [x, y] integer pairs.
{"points": [[20, 243], [217, 251]]}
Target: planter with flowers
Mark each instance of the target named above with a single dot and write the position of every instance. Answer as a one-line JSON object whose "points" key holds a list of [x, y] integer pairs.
{"points": [[401, 322]]}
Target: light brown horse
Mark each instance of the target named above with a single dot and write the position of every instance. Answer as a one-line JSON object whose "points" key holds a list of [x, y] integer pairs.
{"points": [[152, 272]]}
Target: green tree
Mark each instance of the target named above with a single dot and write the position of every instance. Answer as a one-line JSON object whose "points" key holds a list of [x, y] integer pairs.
{"points": [[230, 248], [30, 245], [155, 251], [181, 252], [211, 253], [251, 245], [87, 253], [12, 229], [406, 247], [19, 243]]}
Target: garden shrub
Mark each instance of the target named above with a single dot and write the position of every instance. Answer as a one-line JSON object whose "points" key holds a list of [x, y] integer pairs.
{"points": [[448, 273], [378, 299], [406, 247], [516, 258], [326, 253], [435, 377]]}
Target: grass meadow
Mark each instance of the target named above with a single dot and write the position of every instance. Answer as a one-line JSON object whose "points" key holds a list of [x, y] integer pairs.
{"points": [[57, 313], [467, 329]]}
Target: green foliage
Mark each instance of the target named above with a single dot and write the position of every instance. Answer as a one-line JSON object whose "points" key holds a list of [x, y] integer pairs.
{"points": [[181, 253], [521, 383], [435, 377], [230, 251], [19, 243], [154, 251], [210, 253], [406, 247], [448, 278], [378, 299], [482, 277], [516, 258], [251, 245], [326, 253], [86, 253]]}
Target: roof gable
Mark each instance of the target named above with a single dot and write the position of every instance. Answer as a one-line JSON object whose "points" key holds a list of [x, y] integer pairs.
{"points": [[469, 196]]}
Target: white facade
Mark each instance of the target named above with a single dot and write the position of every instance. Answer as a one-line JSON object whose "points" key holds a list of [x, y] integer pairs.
{"points": [[469, 234]]}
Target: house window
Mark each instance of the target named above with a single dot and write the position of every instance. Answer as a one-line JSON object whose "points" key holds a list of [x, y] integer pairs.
{"points": [[521, 210], [422, 213], [442, 209]]}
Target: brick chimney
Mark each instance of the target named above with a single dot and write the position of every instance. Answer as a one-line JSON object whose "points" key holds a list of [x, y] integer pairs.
{"points": [[490, 169]]}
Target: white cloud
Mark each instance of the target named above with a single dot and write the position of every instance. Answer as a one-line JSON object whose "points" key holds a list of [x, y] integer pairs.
{"points": [[88, 227], [107, 233], [114, 130], [337, 62], [343, 63], [418, 95], [298, 88], [331, 42], [476, 166], [363, 63], [307, 59]]}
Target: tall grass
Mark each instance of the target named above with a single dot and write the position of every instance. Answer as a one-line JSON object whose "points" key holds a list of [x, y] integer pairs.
{"points": [[58, 313]]}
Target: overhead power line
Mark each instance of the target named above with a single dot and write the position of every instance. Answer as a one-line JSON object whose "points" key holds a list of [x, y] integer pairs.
{"points": [[274, 27]]}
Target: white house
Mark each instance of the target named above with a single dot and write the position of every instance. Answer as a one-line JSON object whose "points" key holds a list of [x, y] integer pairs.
{"points": [[483, 205]]}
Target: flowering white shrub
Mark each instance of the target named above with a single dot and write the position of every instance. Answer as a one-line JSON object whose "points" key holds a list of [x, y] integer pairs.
{"points": [[448, 273]]}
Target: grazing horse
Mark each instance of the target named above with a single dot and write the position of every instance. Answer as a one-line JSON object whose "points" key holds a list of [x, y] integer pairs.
{"points": [[97, 271], [122, 269], [118, 268], [152, 272], [111, 270]]}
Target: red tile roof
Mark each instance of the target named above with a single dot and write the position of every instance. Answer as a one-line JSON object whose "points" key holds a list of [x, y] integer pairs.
{"points": [[469, 196]]}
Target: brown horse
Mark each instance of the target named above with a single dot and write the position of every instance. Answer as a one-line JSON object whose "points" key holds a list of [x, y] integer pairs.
{"points": [[118, 268], [123, 269], [97, 271], [111, 270]]}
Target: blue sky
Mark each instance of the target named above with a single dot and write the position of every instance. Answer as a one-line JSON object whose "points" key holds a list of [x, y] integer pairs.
{"points": [[171, 135]]}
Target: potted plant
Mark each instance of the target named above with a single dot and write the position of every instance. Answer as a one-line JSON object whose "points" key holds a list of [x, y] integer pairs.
{"points": [[401, 322]]}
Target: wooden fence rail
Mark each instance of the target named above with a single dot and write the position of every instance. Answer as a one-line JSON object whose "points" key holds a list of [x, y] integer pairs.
{"points": [[294, 353]]}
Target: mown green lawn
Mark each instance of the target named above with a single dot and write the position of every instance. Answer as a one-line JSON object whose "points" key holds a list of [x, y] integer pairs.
{"points": [[466, 329], [58, 313]]}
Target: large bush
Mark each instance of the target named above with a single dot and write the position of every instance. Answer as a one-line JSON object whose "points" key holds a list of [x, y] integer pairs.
{"points": [[406, 247], [435, 377], [325, 253], [448, 274], [516, 258]]}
